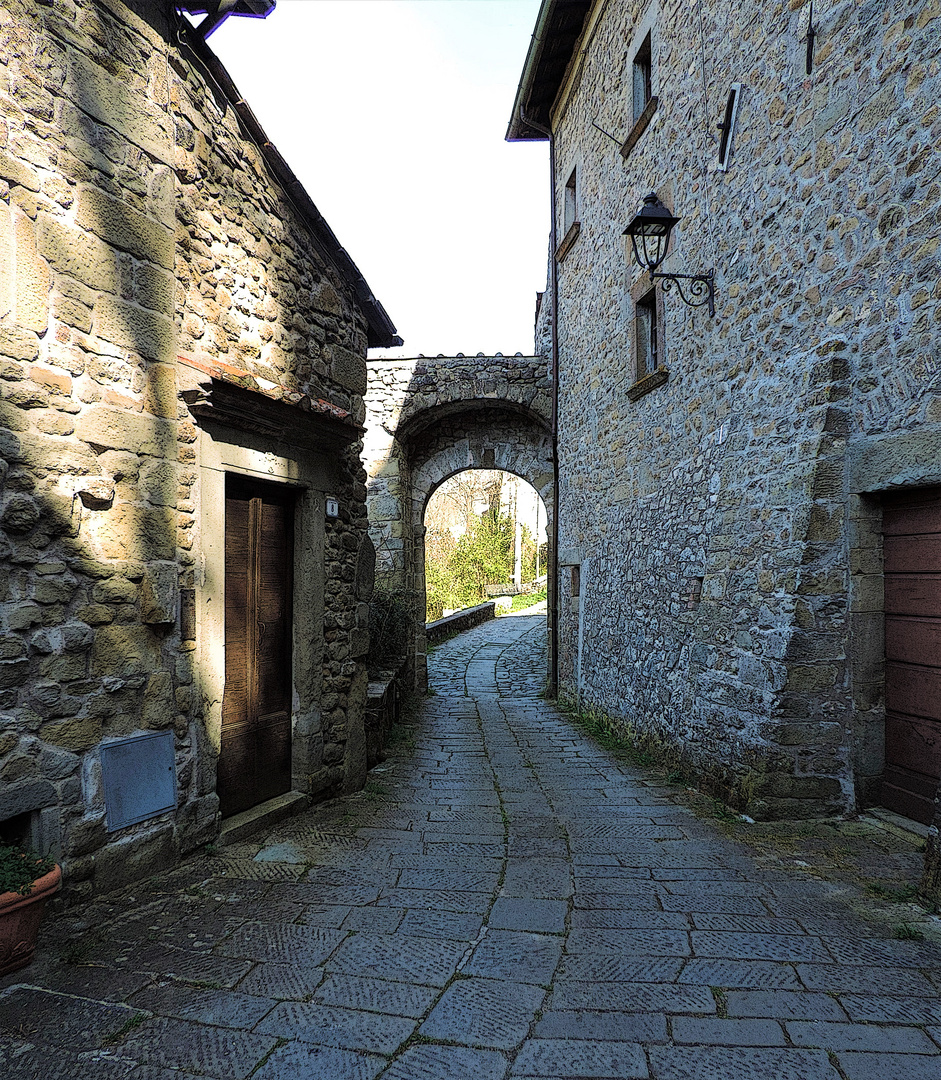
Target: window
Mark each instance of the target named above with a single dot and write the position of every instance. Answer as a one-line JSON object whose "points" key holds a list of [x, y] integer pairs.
{"points": [[570, 223], [646, 343], [643, 78], [570, 215], [643, 100]]}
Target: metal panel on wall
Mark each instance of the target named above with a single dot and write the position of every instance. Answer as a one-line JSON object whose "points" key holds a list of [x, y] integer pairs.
{"points": [[139, 778]]}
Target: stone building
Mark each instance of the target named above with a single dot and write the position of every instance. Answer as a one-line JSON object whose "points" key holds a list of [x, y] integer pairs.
{"points": [[182, 369], [749, 504]]}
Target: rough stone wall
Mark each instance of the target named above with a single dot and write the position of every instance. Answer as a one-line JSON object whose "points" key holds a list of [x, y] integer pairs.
{"points": [[729, 481], [139, 223], [429, 418]]}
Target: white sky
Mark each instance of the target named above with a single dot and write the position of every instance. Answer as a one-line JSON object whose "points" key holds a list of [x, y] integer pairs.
{"points": [[392, 114]]}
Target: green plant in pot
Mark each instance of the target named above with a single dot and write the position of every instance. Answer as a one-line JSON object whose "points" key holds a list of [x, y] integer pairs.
{"points": [[27, 881]]}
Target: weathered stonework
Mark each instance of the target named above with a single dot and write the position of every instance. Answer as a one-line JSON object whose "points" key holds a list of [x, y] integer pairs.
{"points": [[722, 531], [432, 417], [168, 316]]}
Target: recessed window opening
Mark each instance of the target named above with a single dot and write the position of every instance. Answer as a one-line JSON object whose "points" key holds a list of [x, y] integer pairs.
{"points": [[17, 830], [576, 581], [643, 78], [728, 126], [646, 337], [570, 210]]}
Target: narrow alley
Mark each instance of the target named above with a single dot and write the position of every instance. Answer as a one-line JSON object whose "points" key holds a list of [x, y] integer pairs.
{"points": [[503, 900]]}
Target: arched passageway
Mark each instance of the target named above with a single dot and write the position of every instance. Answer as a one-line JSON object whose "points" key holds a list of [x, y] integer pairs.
{"points": [[430, 418], [485, 536]]}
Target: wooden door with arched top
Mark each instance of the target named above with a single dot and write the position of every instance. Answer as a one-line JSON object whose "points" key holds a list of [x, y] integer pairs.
{"points": [[255, 759]]}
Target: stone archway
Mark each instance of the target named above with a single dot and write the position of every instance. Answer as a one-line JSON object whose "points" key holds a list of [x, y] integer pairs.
{"points": [[428, 419]]}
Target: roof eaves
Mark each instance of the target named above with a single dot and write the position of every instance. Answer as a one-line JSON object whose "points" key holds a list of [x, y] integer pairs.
{"points": [[558, 29]]}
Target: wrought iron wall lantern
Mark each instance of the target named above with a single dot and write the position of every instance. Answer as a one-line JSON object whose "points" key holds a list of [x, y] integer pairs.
{"points": [[650, 233]]}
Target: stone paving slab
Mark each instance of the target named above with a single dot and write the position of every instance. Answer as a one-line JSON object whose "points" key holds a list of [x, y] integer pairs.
{"points": [[515, 956], [725, 1063], [565, 1058], [426, 961], [783, 1004], [328, 1025], [301, 1061], [376, 995], [484, 1012], [515, 903], [201, 1048], [57, 1020], [447, 1063], [222, 1008], [882, 1066]]}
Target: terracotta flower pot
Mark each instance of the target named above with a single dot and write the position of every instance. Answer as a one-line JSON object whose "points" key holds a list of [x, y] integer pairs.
{"points": [[19, 921]]}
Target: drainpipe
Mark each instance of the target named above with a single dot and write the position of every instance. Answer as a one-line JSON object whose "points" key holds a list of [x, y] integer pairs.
{"points": [[553, 596]]}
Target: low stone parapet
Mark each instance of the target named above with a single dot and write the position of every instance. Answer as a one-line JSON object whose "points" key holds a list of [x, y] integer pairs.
{"points": [[444, 628]]}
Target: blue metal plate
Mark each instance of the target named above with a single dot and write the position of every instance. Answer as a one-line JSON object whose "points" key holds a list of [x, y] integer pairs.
{"points": [[138, 775]]}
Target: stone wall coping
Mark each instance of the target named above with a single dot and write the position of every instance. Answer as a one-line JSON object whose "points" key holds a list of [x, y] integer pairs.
{"points": [[461, 620], [375, 361]]}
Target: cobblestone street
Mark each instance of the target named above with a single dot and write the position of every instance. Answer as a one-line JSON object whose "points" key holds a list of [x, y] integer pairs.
{"points": [[504, 900]]}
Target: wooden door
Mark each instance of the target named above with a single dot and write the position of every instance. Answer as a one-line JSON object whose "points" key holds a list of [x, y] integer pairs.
{"points": [[912, 547], [255, 762]]}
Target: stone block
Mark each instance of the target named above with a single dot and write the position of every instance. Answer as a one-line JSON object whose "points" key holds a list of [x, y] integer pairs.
{"points": [[904, 458], [114, 591], [117, 106], [106, 427], [46, 454], [347, 367], [146, 332], [121, 226], [31, 289], [867, 594], [359, 642], [23, 615], [160, 594], [13, 673], [155, 289], [63, 668], [78, 254], [57, 764], [158, 709], [18, 173], [124, 651], [812, 734], [75, 734], [24, 796], [18, 343], [19, 513], [86, 836], [160, 392], [159, 483], [126, 860]]}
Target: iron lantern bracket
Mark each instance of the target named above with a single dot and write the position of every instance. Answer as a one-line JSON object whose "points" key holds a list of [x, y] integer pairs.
{"points": [[701, 288]]}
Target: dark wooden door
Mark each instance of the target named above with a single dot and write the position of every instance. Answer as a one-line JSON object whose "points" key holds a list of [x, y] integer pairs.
{"points": [[255, 763], [912, 547]]}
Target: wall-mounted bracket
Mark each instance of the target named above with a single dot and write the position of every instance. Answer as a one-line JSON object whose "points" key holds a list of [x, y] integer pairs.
{"points": [[701, 288]]}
